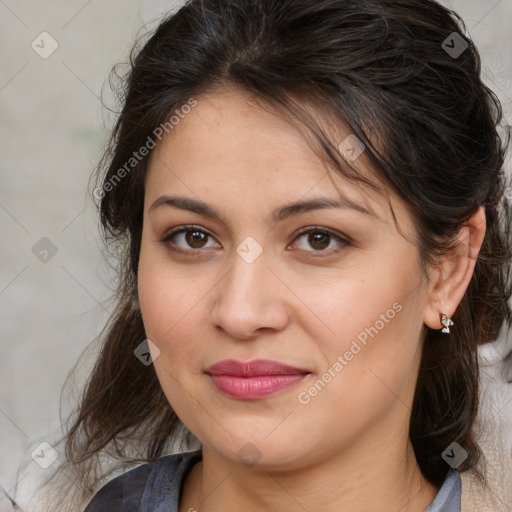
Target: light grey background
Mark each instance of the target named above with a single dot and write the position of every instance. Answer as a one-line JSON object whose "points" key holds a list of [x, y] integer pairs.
{"points": [[51, 133]]}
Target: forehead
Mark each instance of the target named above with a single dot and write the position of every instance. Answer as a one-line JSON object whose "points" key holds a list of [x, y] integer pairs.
{"points": [[232, 143]]}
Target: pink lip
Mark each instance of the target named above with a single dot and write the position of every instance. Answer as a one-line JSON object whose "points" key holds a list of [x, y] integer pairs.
{"points": [[253, 380]]}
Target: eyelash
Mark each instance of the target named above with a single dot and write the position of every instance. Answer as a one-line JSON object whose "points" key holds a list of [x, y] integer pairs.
{"points": [[344, 242]]}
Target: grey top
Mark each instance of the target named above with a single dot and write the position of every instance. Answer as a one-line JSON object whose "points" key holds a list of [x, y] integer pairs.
{"points": [[156, 487], [448, 499]]}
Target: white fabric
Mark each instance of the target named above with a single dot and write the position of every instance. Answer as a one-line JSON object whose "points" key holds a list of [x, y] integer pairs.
{"points": [[494, 432]]}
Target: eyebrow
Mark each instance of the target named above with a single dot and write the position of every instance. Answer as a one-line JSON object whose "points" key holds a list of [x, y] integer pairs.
{"points": [[278, 215]]}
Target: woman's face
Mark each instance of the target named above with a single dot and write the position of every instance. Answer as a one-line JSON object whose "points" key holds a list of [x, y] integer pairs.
{"points": [[239, 280]]}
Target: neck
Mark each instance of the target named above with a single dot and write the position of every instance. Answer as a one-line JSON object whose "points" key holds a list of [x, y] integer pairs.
{"points": [[343, 481]]}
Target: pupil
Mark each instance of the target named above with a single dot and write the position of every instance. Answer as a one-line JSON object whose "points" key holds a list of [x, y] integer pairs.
{"points": [[316, 238], [195, 237]]}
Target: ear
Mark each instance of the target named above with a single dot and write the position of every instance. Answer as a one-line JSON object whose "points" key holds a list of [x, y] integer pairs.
{"points": [[451, 278]]}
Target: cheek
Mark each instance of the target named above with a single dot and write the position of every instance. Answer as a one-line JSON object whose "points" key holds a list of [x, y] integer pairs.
{"points": [[171, 304], [374, 324], [346, 307], [160, 296], [166, 306]]}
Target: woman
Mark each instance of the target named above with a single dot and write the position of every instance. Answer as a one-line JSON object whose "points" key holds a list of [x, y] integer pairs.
{"points": [[308, 201]]}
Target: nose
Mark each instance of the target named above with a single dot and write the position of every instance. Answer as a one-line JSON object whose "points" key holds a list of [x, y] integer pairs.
{"points": [[250, 299]]}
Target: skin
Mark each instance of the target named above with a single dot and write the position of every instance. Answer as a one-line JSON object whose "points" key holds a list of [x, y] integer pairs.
{"points": [[348, 448]]}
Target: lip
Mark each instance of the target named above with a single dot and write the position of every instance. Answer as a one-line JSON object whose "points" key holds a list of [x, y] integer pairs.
{"points": [[253, 380], [255, 368]]}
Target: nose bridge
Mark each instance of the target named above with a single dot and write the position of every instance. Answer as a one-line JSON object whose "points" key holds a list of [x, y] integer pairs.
{"points": [[247, 283], [247, 297]]}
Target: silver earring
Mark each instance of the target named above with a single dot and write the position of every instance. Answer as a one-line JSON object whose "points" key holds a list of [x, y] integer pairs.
{"points": [[447, 322]]}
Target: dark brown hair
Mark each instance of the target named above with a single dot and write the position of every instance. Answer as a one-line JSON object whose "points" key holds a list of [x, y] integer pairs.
{"points": [[429, 125]]}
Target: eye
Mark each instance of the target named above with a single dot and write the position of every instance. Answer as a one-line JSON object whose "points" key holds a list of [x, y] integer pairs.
{"points": [[186, 239], [320, 238]]}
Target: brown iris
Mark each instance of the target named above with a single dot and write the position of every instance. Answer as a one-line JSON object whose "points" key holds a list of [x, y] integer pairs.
{"points": [[196, 237], [319, 240]]}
